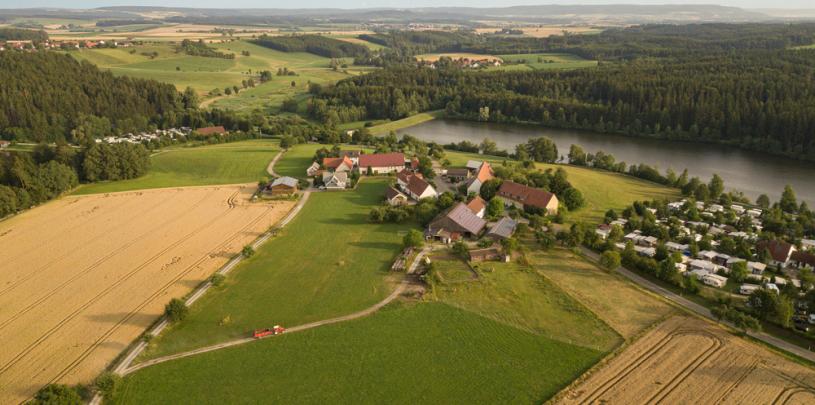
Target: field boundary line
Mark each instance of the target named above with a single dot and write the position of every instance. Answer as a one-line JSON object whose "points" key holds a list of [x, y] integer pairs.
{"points": [[299, 328]]}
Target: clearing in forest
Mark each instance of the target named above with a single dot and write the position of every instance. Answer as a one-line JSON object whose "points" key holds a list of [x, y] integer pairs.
{"points": [[82, 277]]}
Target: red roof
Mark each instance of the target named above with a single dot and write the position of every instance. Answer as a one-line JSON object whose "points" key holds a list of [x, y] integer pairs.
{"points": [[335, 162], [211, 130], [416, 185], [804, 257], [477, 204], [779, 250], [533, 197], [382, 160], [484, 173]]}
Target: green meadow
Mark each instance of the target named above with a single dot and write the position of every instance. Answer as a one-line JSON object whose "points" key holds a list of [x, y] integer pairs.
{"points": [[229, 163], [404, 354], [329, 261], [543, 61]]}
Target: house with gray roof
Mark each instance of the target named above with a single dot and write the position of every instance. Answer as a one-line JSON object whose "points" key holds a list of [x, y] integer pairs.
{"points": [[454, 224], [503, 229]]}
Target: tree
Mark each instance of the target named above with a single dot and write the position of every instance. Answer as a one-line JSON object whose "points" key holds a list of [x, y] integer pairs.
{"points": [[248, 251], [190, 98], [510, 245], [176, 310], [577, 156], [763, 201], [610, 259], [690, 284], [738, 273], [716, 186], [490, 188], [57, 394], [107, 383], [460, 250], [572, 198], [542, 149], [413, 239], [495, 208], [788, 201], [488, 147]]}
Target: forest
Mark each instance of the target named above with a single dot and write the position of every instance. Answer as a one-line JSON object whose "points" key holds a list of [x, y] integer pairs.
{"points": [[199, 48], [316, 44], [737, 85], [19, 34]]}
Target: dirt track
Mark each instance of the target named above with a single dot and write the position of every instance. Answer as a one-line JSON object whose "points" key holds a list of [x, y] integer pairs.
{"points": [[81, 277], [687, 360]]}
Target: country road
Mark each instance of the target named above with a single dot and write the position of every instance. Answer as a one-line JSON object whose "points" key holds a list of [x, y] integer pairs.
{"points": [[356, 315], [270, 168], [701, 310]]}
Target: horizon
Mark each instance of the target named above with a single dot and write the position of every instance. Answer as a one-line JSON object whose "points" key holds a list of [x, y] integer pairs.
{"points": [[388, 4]]}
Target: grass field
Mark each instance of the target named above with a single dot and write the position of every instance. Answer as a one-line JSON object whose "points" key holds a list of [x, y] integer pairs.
{"points": [[510, 293], [386, 128], [328, 262], [602, 190], [623, 306], [405, 354], [229, 163], [542, 61], [297, 159]]}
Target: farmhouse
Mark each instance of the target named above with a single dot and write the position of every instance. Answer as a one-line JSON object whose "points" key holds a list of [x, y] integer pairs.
{"points": [[382, 163], [394, 197], [478, 206], [503, 229], [313, 170], [523, 196], [414, 185], [206, 131], [335, 180], [482, 255], [338, 164], [455, 223], [457, 174], [351, 154], [281, 186], [482, 175]]}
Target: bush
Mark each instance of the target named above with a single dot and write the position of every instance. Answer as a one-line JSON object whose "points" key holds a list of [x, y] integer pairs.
{"points": [[217, 279], [413, 238], [107, 383], [176, 310], [57, 394], [248, 251], [610, 260]]}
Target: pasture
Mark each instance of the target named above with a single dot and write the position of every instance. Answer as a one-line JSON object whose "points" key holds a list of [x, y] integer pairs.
{"points": [[619, 303], [543, 61], [509, 293], [228, 163], [601, 189], [297, 160], [675, 363], [404, 354], [329, 261], [82, 277]]}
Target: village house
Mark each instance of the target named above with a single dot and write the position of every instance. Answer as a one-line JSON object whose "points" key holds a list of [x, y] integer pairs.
{"points": [[503, 229], [338, 164], [351, 154], [417, 188], [394, 197], [457, 174], [478, 206], [780, 251], [335, 180], [313, 170], [207, 131], [524, 197], [454, 224], [281, 186], [488, 254], [382, 163], [482, 175]]}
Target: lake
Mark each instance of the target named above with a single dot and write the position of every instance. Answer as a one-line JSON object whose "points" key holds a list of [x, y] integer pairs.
{"points": [[750, 172]]}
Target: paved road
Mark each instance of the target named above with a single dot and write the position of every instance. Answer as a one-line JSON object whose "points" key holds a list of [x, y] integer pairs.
{"points": [[365, 312], [704, 311]]}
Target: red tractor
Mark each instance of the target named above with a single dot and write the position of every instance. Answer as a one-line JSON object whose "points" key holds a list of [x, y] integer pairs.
{"points": [[262, 333]]}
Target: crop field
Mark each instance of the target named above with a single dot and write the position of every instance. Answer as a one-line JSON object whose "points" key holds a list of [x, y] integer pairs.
{"points": [[82, 277], [509, 293], [229, 163], [543, 32], [433, 57], [205, 74], [404, 354], [329, 261], [623, 306], [542, 61], [602, 190], [687, 360]]}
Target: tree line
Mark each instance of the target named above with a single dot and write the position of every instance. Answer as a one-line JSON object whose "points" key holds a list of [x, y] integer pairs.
{"points": [[316, 44], [199, 48], [20, 34]]}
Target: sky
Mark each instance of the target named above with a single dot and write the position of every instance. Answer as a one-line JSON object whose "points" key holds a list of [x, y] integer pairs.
{"points": [[381, 3]]}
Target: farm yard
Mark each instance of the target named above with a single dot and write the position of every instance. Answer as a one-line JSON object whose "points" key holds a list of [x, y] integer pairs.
{"points": [[82, 277], [229, 163], [675, 363], [406, 353]]}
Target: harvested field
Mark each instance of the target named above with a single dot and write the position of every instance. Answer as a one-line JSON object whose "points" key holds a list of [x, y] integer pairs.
{"points": [[82, 277], [433, 57], [687, 360]]}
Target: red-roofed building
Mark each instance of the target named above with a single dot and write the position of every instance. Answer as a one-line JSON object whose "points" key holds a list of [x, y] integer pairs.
{"points": [[219, 130], [780, 251], [414, 185], [478, 206], [338, 164], [524, 197], [802, 260], [382, 163], [482, 175]]}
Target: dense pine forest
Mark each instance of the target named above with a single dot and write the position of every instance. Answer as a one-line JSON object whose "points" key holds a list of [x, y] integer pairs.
{"points": [[742, 85], [316, 44]]}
